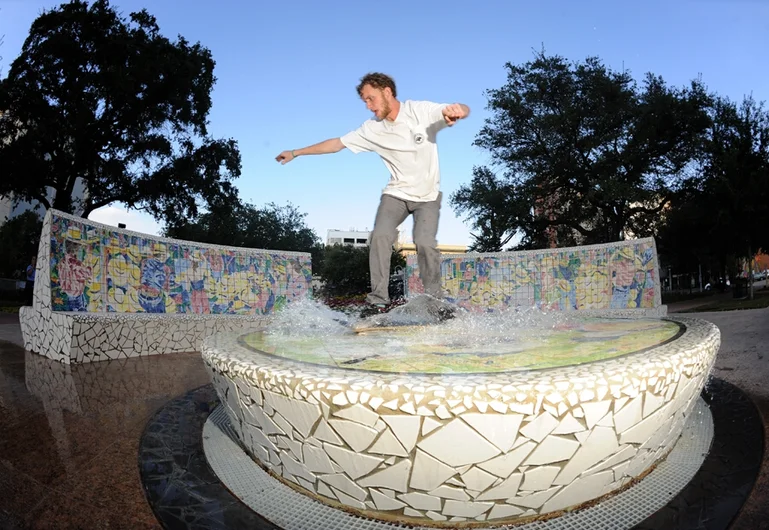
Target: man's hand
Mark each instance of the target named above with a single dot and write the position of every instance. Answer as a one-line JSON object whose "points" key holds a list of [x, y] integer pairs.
{"points": [[285, 157], [454, 112]]}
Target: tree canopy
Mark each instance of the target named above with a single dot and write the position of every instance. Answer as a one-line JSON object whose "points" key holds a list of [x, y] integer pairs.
{"points": [[724, 212], [345, 269], [19, 238], [244, 225], [580, 153], [111, 101]]}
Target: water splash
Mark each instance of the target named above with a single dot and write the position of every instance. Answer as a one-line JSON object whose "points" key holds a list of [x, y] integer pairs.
{"points": [[508, 339], [309, 317], [312, 318]]}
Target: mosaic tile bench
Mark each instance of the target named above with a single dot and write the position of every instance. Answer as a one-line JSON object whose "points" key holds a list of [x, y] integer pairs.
{"points": [[621, 279], [104, 293]]}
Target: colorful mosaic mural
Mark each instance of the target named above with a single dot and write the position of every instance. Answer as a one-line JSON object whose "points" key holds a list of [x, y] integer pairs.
{"points": [[96, 268], [617, 276]]}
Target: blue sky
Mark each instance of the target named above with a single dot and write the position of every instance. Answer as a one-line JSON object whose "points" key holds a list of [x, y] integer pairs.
{"points": [[287, 73]]}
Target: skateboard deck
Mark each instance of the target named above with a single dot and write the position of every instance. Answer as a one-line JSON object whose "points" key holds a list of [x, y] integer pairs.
{"points": [[378, 329]]}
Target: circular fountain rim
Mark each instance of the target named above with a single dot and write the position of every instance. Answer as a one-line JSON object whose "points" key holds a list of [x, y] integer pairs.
{"points": [[670, 372], [682, 329], [223, 348]]}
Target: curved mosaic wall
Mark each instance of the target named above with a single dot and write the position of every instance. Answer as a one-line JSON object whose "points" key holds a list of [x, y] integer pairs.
{"points": [[476, 448], [615, 276], [97, 268]]}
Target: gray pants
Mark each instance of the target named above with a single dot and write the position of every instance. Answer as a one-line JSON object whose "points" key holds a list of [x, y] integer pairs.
{"points": [[390, 214]]}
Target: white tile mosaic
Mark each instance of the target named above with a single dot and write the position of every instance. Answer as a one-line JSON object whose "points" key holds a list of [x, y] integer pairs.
{"points": [[575, 441], [388, 444]]}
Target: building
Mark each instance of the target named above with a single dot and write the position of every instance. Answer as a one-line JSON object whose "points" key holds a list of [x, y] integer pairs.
{"points": [[8, 210], [356, 238], [406, 246], [360, 238]]}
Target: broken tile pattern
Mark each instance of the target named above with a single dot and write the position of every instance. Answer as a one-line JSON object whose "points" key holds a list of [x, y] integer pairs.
{"points": [[82, 337], [86, 336], [614, 276], [190, 496], [497, 448]]}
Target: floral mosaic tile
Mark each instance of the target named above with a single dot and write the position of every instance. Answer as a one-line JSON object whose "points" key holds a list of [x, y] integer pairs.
{"points": [[617, 276], [97, 268]]}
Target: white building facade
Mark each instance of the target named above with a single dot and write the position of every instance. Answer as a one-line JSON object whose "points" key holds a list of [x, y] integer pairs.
{"points": [[355, 238]]}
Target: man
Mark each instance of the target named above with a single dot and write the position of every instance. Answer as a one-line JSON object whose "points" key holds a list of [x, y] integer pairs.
{"points": [[404, 136], [29, 285]]}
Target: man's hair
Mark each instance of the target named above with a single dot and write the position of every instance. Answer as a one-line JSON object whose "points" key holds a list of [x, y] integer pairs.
{"points": [[377, 80]]}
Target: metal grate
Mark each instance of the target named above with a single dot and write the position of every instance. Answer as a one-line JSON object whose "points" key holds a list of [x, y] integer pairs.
{"points": [[291, 510]]}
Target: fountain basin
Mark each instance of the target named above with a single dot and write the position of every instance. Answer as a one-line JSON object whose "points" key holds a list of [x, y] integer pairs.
{"points": [[420, 426]]}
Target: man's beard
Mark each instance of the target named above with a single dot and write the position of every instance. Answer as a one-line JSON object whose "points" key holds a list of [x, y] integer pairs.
{"points": [[385, 111]]}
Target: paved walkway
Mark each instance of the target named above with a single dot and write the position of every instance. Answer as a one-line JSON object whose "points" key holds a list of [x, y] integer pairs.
{"points": [[10, 330], [743, 360]]}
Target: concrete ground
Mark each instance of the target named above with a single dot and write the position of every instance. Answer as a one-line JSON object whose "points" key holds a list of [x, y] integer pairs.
{"points": [[743, 360], [62, 468]]}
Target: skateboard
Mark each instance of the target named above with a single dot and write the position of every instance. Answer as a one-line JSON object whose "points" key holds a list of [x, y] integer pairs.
{"points": [[406, 328]]}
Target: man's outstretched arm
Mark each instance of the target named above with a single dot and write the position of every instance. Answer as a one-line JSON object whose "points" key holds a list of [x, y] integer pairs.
{"points": [[332, 145]]}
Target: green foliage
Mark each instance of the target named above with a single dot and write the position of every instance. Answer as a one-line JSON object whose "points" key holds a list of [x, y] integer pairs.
{"points": [[580, 153], [496, 211], [723, 215], [19, 238], [735, 183], [109, 100], [345, 269], [244, 225]]}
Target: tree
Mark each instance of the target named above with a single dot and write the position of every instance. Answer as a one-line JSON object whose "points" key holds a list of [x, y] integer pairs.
{"points": [[244, 225], [736, 177], [581, 153], [96, 97], [723, 217], [345, 269], [493, 208], [19, 238]]}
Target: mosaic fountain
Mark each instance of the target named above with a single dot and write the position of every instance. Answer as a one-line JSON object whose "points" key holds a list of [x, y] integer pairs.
{"points": [[484, 420]]}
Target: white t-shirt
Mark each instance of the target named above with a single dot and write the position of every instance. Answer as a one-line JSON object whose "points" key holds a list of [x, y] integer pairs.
{"points": [[408, 148]]}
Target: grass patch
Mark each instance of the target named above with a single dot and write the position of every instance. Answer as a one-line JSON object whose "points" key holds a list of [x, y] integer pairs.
{"points": [[760, 300], [671, 298], [10, 305]]}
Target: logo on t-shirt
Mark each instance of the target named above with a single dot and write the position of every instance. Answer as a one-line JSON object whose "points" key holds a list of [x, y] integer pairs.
{"points": [[419, 138]]}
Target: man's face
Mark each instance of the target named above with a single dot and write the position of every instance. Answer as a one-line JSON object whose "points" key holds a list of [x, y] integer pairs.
{"points": [[377, 100]]}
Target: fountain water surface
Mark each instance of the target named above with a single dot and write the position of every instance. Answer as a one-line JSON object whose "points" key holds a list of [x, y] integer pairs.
{"points": [[487, 418], [503, 341]]}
